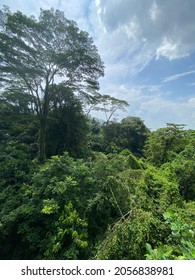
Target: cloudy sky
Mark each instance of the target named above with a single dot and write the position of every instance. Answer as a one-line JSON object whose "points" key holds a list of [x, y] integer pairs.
{"points": [[148, 48]]}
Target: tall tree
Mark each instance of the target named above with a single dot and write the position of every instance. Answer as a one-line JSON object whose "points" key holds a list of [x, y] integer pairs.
{"points": [[131, 133], [106, 104], [163, 142], [33, 52]]}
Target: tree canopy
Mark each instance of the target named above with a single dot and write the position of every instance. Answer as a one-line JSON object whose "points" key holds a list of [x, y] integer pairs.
{"points": [[34, 52]]}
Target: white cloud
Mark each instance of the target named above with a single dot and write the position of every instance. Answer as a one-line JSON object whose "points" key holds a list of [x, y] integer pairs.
{"points": [[167, 26], [168, 49], [154, 11], [27, 7], [191, 102], [177, 76], [158, 111]]}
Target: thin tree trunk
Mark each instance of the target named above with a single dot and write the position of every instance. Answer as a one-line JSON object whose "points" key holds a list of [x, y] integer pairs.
{"points": [[43, 122]]}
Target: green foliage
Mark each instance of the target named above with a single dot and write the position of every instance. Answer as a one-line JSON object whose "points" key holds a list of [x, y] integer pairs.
{"points": [[67, 125], [180, 244], [75, 210], [130, 133], [95, 135], [127, 238], [129, 195], [69, 236], [18, 125], [164, 142], [15, 171], [181, 170], [50, 221], [162, 191]]}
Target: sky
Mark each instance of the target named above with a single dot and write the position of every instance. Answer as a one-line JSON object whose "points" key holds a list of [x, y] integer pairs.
{"points": [[148, 49]]}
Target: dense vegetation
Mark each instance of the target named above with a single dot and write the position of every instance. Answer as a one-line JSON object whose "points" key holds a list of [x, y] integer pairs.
{"points": [[75, 187]]}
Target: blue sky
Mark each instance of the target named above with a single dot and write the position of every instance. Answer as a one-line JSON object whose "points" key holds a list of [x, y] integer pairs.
{"points": [[148, 48]]}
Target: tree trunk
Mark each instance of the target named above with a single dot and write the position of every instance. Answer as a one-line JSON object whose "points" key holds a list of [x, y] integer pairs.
{"points": [[43, 123]]}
